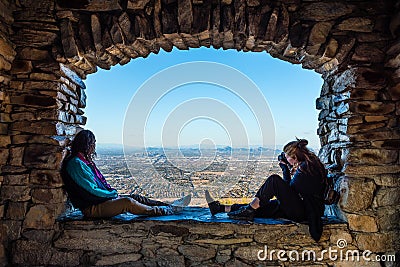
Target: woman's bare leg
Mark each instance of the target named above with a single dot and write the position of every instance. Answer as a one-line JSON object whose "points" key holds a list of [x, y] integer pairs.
{"points": [[255, 203]]}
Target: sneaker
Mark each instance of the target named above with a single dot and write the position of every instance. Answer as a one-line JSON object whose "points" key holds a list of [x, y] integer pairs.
{"points": [[162, 210], [215, 207], [244, 213], [176, 209], [182, 202]]}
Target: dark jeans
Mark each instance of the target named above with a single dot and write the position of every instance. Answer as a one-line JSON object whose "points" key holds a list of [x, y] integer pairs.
{"points": [[287, 204]]}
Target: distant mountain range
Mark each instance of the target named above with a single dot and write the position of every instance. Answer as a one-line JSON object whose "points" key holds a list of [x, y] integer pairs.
{"points": [[106, 148], [118, 148]]}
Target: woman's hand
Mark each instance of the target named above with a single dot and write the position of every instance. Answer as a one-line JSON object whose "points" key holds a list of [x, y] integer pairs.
{"points": [[283, 165]]}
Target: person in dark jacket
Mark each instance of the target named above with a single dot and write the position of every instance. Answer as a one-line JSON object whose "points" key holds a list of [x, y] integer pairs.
{"points": [[89, 191], [299, 195]]}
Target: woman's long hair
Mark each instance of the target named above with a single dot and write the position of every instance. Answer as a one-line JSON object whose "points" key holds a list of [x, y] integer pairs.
{"points": [[298, 150], [84, 142]]}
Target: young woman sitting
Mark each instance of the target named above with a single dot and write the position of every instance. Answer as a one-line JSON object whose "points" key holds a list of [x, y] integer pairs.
{"points": [[89, 191], [299, 194]]}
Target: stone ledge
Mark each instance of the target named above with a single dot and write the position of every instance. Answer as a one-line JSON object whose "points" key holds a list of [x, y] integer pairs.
{"points": [[196, 214], [191, 238]]}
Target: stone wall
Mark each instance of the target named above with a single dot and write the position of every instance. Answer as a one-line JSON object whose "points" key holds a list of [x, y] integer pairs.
{"points": [[359, 127], [7, 55], [41, 105], [48, 47], [177, 243]]}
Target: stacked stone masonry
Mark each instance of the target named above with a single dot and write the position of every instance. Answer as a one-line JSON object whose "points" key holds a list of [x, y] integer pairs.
{"points": [[175, 243], [48, 47]]}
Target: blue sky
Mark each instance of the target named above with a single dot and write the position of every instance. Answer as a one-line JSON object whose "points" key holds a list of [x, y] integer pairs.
{"points": [[289, 90]]}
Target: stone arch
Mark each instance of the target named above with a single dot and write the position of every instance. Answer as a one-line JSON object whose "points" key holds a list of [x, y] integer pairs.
{"points": [[48, 47]]}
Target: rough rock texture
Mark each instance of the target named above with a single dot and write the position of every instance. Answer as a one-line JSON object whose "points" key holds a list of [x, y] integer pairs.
{"points": [[48, 47], [171, 241]]}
